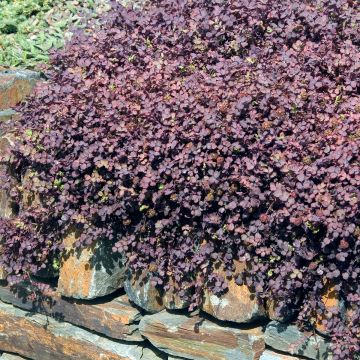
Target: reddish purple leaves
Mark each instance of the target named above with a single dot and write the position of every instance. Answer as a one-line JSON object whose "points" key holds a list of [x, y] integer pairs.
{"points": [[194, 133]]}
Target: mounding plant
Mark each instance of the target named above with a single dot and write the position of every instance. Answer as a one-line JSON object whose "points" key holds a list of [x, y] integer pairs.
{"points": [[196, 133]]}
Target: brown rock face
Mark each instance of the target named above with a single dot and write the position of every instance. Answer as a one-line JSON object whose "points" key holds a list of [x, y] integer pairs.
{"points": [[238, 304], [39, 337], [199, 339], [15, 85], [115, 318], [91, 272]]}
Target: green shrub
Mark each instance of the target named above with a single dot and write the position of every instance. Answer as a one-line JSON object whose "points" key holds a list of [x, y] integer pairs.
{"points": [[30, 28]]}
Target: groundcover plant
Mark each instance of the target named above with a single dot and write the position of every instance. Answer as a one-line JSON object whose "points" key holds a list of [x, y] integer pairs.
{"points": [[30, 28], [196, 133]]}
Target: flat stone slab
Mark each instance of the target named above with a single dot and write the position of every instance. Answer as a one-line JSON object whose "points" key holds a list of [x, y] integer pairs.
{"points": [[40, 337], [198, 339], [15, 85], [7, 356], [116, 318], [290, 339], [271, 355]]}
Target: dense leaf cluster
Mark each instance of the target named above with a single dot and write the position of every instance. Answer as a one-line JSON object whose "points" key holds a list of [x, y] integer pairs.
{"points": [[30, 28], [202, 132]]}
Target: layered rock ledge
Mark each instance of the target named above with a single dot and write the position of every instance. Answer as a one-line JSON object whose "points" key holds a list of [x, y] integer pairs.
{"points": [[39, 337]]}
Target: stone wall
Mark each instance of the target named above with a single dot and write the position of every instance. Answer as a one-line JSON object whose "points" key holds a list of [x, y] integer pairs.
{"points": [[112, 327], [95, 310]]}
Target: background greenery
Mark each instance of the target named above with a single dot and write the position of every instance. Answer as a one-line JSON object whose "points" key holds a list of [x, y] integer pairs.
{"points": [[30, 28]]}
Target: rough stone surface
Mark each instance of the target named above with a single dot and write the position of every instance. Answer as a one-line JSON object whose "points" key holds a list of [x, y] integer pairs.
{"points": [[39, 337], [15, 85], [238, 304], [289, 339], [198, 339], [271, 355], [91, 272], [140, 291], [115, 318]]}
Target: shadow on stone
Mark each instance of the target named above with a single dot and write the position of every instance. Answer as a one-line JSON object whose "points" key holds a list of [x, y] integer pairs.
{"points": [[290, 339], [89, 272]]}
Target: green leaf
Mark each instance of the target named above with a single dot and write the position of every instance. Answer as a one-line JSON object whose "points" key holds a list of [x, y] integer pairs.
{"points": [[29, 133], [143, 207]]}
